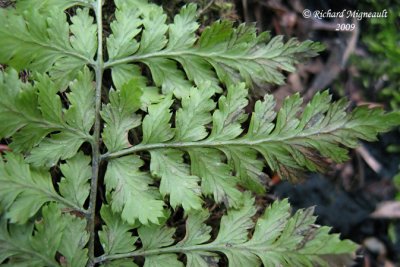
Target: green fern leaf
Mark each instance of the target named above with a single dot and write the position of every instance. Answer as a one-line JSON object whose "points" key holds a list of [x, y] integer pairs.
{"points": [[153, 37], [278, 238], [120, 116], [74, 186], [221, 53], [248, 167], [24, 190], [122, 74], [121, 42], [74, 240], [84, 33], [197, 232], [216, 177], [228, 118], [55, 147], [163, 261], [48, 234], [37, 245], [30, 113], [154, 237], [18, 244], [81, 97], [46, 42], [126, 184], [290, 141], [181, 33], [176, 180], [156, 126], [48, 5], [161, 152], [120, 263], [115, 236], [194, 115]]}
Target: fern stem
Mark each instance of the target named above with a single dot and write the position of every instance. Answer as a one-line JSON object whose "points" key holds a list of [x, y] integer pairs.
{"points": [[175, 54], [174, 249], [150, 252], [99, 68], [235, 142], [182, 145], [203, 144]]}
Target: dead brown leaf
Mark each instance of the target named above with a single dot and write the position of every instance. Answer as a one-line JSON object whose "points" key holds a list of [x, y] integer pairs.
{"points": [[388, 210]]}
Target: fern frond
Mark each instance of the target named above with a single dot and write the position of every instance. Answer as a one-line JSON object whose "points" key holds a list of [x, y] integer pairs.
{"points": [[221, 53], [48, 5], [278, 238], [24, 190], [37, 244], [126, 184], [74, 186], [30, 113], [160, 151], [45, 42], [119, 115], [289, 142]]}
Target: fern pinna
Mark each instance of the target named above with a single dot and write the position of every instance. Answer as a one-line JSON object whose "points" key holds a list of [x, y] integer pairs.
{"points": [[158, 145]]}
